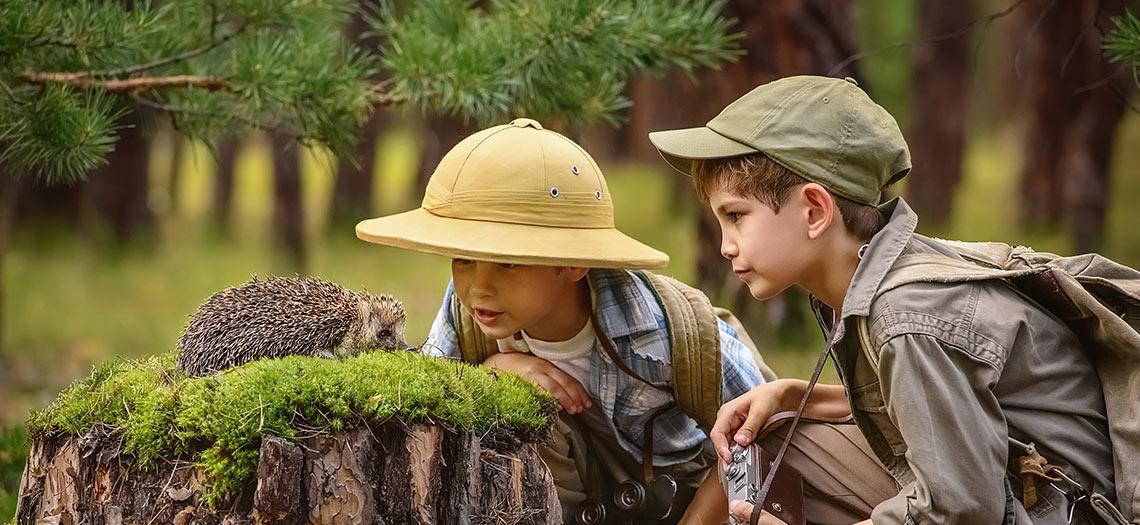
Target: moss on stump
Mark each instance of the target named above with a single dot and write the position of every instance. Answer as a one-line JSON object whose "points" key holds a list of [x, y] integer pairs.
{"points": [[158, 417]]}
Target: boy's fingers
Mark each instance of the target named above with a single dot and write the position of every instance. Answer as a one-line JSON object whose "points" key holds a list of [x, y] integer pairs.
{"points": [[555, 388], [741, 510], [574, 390], [720, 433]]}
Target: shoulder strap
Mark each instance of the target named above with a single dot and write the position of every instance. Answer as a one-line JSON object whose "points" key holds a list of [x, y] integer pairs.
{"points": [[692, 328], [474, 346]]}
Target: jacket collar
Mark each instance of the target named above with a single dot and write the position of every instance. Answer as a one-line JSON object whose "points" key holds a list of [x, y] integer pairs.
{"points": [[885, 248]]}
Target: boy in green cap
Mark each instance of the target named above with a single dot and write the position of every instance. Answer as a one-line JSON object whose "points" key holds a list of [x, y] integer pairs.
{"points": [[542, 285], [944, 379]]}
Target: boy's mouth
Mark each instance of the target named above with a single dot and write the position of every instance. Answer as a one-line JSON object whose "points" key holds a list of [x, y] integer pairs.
{"points": [[739, 272], [484, 316]]}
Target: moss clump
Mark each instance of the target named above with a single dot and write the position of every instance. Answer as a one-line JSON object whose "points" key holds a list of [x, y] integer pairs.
{"points": [[219, 419]]}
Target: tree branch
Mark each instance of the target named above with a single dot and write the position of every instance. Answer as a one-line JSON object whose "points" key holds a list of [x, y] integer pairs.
{"points": [[932, 40], [128, 84]]}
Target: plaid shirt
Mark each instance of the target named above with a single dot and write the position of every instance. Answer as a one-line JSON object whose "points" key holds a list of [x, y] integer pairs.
{"points": [[627, 311]]}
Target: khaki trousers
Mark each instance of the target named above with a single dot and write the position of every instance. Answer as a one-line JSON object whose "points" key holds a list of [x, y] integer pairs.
{"points": [[842, 479]]}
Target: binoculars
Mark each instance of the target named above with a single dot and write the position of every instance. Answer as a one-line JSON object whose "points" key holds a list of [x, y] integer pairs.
{"points": [[631, 502]]}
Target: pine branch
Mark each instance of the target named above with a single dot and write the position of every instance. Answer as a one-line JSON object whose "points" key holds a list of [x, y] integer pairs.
{"points": [[81, 80], [164, 61]]}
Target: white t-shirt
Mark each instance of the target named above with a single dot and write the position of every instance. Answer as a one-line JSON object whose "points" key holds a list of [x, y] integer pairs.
{"points": [[571, 356]]}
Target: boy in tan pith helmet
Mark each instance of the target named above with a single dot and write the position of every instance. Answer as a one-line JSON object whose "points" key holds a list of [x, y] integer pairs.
{"points": [[544, 285], [961, 384]]}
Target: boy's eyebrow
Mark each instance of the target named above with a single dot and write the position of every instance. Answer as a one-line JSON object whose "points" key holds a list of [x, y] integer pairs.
{"points": [[727, 202]]}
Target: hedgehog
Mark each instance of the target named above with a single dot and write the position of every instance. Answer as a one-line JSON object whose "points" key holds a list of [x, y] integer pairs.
{"points": [[283, 316]]}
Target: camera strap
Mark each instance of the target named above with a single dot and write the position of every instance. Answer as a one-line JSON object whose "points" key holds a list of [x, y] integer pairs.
{"points": [[762, 495], [647, 436]]}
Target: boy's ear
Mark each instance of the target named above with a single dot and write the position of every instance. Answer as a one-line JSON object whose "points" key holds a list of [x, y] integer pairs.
{"points": [[575, 273], [819, 208]]}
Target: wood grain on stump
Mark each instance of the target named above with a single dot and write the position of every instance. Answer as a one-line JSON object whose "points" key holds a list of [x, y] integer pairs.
{"points": [[390, 474]]}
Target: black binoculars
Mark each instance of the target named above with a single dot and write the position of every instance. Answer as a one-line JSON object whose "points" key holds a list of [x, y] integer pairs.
{"points": [[632, 502]]}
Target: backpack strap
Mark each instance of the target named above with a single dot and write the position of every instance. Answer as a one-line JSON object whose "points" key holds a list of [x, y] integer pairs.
{"points": [[1080, 291], [474, 346], [693, 332]]}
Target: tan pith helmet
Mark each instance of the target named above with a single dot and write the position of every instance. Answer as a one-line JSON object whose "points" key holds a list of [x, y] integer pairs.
{"points": [[518, 194]]}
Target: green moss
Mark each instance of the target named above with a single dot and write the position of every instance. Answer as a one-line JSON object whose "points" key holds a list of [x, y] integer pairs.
{"points": [[219, 420]]}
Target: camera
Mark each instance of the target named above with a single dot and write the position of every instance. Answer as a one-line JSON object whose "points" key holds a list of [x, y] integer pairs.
{"points": [[741, 478]]}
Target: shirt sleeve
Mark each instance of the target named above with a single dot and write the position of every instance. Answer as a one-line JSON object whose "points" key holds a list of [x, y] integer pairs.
{"points": [[739, 372], [442, 340], [941, 400]]}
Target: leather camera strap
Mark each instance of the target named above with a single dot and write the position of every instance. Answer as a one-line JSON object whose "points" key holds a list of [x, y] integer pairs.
{"points": [[647, 436], [762, 495]]}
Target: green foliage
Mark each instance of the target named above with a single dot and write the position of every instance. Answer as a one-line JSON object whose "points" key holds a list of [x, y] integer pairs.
{"points": [[276, 64], [222, 66], [219, 419], [555, 61], [1122, 44], [60, 132], [13, 455]]}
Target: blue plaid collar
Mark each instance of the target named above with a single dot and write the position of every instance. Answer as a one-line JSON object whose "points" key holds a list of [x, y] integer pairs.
{"points": [[621, 308]]}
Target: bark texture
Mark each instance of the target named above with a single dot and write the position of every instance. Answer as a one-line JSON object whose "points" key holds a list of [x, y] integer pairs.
{"points": [[938, 108], [372, 475]]}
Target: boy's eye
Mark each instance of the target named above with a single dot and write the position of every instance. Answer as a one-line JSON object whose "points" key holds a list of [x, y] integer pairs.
{"points": [[733, 216]]}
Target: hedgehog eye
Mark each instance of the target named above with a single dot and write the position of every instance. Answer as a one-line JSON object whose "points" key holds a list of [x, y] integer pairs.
{"points": [[385, 333]]}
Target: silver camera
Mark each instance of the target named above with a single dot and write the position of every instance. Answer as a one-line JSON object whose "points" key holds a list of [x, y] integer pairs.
{"points": [[741, 478]]}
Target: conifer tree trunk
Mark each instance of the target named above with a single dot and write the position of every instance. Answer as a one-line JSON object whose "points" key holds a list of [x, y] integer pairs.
{"points": [[352, 190], [1071, 112], [221, 211], [119, 189], [288, 214], [939, 105]]}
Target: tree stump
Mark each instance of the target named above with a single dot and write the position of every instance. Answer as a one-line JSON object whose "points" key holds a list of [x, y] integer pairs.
{"points": [[385, 474]]}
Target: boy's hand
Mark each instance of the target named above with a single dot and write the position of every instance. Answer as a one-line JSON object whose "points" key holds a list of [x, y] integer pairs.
{"points": [[571, 395], [740, 419], [742, 511]]}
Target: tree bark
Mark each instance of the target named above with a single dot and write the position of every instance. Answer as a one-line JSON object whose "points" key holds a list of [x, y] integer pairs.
{"points": [[119, 190], [352, 190], [939, 105], [227, 149], [1072, 104], [422, 474], [288, 212]]}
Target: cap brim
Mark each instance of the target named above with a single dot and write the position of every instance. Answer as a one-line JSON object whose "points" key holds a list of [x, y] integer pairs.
{"points": [[424, 231], [679, 147]]}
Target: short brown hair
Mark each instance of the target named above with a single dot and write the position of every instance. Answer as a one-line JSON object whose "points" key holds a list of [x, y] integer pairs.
{"points": [[758, 176]]}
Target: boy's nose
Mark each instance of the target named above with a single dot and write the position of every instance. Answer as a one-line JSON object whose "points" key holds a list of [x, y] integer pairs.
{"points": [[728, 249], [482, 282]]}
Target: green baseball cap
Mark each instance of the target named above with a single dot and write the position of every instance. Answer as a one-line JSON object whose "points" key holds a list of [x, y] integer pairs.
{"points": [[826, 130]]}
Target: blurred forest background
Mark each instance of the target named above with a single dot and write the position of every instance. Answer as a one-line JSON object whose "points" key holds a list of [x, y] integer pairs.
{"points": [[1021, 131]]}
